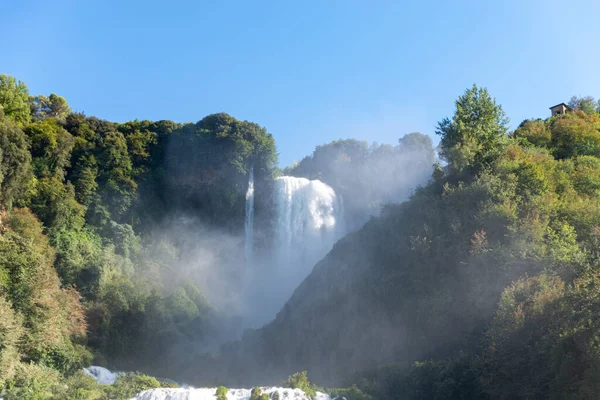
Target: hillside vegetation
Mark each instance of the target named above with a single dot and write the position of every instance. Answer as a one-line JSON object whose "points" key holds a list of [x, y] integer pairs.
{"points": [[484, 284], [85, 271], [104, 231]]}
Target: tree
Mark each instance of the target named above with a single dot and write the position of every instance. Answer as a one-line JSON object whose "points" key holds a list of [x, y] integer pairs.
{"points": [[476, 134], [418, 147], [416, 141], [535, 131], [15, 163], [11, 331], [576, 134], [53, 316], [140, 138], [55, 204], [299, 380], [586, 104], [14, 99], [55, 106], [115, 175], [51, 147], [221, 393], [257, 394], [586, 177]]}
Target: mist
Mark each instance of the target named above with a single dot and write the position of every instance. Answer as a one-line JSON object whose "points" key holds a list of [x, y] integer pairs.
{"points": [[247, 276]]}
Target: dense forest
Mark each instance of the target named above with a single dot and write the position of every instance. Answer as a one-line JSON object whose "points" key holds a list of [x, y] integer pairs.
{"points": [[483, 283], [86, 272], [100, 223]]}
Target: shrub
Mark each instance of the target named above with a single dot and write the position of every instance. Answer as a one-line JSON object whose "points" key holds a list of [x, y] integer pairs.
{"points": [[221, 393], [351, 393], [257, 394], [299, 380], [83, 387], [129, 385], [34, 382]]}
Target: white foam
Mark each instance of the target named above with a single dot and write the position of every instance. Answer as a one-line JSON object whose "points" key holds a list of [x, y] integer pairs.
{"points": [[307, 224], [232, 394], [101, 375]]}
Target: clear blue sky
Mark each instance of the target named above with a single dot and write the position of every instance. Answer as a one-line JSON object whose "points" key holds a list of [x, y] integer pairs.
{"points": [[309, 71]]}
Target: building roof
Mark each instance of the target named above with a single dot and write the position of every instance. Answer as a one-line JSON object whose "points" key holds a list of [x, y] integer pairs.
{"points": [[560, 104]]}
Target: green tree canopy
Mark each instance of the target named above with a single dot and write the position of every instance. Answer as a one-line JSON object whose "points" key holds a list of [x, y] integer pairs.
{"points": [[15, 162], [476, 134], [587, 104], [55, 106], [51, 147], [14, 99]]}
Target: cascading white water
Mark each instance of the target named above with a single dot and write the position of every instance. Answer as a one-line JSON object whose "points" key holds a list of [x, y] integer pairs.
{"points": [[307, 222], [307, 217], [106, 377], [101, 375], [249, 222], [232, 394]]}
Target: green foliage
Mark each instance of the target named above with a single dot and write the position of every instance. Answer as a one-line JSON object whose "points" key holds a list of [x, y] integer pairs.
{"points": [[129, 385], [140, 137], [221, 393], [299, 380], [476, 134], [542, 341], [84, 177], [116, 176], [182, 306], [490, 271], [586, 104], [80, 386], [54, 107], [576, 134], [55, 204], [15, 159], [33, 382], [208, 164], [535, 132], [586, 177], [36, 382], [53, 317], [11, 332], [98, 187], [14, 100], [80, 258], [51, 148], [351, 393], [257, 394]]}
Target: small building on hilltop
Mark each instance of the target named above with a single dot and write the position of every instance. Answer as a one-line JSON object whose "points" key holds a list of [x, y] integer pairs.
{"points": [[560, 109]]}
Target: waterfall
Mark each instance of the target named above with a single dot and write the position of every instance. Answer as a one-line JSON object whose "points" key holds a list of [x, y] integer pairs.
{"points": [[306, 223], [249, 223], [307, 214]]}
